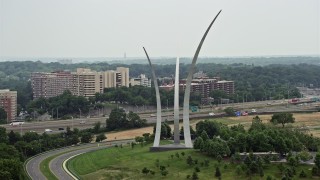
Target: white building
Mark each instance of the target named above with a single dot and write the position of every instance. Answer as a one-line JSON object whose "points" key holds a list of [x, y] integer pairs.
{"points": [[141, 80]]}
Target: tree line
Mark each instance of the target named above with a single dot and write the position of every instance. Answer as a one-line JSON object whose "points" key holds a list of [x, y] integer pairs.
{"points": [[252, 82]]}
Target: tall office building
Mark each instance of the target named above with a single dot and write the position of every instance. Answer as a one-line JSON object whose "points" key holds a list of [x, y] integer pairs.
{"points": [[124, 72], [83, 82], [8, 101]]}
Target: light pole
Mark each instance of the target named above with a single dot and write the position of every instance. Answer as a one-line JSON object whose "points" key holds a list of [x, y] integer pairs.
{"points": [[57, 113], [72, 122], [80, 112], [21, 129]]}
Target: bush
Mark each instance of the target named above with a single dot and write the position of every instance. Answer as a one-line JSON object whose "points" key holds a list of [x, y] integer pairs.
{"points": [[189, 161], [182, 153], [302, 174], [229, 111], [164, 173], [238, 170], [145, 171], [305, 156], [157, 163], [218, 173], [195, 176], [101, 137]]}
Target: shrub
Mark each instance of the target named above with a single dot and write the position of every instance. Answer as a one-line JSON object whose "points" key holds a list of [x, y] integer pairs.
{"points": [[302, 174], [218, 173], [189, 160], [145, 171], [195, 176], [183, 153], [305, 156]]}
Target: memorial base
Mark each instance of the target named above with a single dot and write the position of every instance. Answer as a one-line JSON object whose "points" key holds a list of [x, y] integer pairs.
{"points": [[168, 147]]}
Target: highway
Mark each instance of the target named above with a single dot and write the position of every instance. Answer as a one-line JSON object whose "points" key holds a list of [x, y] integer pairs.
{"points": [[33, 165], [260, 106]]}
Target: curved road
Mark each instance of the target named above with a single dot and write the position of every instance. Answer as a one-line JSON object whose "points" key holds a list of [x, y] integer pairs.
{"points": [[33, 165]]}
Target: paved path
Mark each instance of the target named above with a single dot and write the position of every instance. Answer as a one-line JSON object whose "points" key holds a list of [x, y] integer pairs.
{"points": [[33, 165]]}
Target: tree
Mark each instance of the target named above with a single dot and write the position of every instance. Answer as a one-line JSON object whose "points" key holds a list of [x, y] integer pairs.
{"points": [[317, 161], [198, 143], [74, 139], [3, 114], [282, 118], [212, 128], [96, 127], [13, 137], [117, 119], [139, 139], [3, 135], [101, 137], [165, 130], [135, 120], [229, 111], [204, 136], [189, 161], [86, 137]]}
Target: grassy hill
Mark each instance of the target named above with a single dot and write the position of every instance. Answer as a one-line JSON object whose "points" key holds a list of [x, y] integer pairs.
{"points": [[127, 163]]}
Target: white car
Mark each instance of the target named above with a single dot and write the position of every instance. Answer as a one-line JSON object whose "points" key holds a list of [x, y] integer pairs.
{"points": [[47, 130], [211, 114], [253, 110]]}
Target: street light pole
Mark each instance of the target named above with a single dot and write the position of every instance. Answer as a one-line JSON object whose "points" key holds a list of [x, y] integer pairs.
{"points": [[57, 113], [72, 122], [80, 112]]}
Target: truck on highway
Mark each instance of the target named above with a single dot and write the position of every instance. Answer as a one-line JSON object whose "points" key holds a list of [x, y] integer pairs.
{"points": [[16, 123]]}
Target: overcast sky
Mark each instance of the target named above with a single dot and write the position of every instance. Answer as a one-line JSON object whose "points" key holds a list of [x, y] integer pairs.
{"points": [[110, 28]]}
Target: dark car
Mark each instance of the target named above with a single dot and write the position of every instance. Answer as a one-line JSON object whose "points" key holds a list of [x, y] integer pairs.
{"points": [[60, 129]]}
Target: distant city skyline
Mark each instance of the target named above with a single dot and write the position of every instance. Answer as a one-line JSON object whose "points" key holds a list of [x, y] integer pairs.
{"points": [[117, 29]]}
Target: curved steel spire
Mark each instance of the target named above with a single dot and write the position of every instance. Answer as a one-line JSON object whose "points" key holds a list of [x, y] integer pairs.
{"points": [[186, 124], [156, 141]]}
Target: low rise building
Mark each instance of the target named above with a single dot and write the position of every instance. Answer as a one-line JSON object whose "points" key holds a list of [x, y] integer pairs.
{"points": [[141, 80]]}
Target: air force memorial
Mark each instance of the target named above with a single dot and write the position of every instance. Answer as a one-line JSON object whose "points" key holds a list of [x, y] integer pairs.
{"points": [[186, 124]]}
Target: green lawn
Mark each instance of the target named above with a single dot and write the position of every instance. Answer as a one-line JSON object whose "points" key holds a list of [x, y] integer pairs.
{"points": [[127, 163]]}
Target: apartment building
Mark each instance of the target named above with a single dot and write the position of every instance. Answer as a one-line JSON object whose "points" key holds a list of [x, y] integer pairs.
{"points": [[203, 85], [226, 86], [84, 82], [8, 101]]}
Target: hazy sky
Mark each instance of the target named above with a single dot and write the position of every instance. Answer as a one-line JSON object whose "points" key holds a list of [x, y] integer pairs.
{"points": [[110, 28]]}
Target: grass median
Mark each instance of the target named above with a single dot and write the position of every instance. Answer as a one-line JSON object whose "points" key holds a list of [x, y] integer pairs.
{"points": [[45, 169]]}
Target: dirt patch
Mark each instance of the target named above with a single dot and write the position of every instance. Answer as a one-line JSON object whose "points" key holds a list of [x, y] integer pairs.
{"points": [[306, 119]]}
